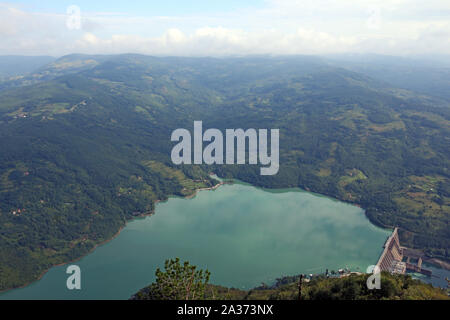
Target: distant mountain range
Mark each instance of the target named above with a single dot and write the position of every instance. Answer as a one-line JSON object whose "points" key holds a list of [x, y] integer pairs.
{"points": [[86, 145], [427, 76], [11, 66]]}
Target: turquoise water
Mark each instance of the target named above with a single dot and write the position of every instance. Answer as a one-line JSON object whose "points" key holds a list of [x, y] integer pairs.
{"points": [[242, 234]]}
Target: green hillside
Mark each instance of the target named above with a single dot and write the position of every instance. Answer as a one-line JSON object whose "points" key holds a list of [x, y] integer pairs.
{"points": [[353, 287], [85, 146], [183, 281]]}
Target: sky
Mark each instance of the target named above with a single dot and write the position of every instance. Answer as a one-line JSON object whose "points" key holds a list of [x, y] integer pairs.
{"points": [[224, 28]]}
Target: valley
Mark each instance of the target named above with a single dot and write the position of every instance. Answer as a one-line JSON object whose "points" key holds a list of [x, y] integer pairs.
{"points": [[85, 147]]}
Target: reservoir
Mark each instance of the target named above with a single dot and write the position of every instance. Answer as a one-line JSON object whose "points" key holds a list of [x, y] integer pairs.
{"points": [[242, 234]]}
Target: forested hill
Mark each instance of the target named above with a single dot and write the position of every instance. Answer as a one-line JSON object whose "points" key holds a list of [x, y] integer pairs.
{"points": [[86, 146]]}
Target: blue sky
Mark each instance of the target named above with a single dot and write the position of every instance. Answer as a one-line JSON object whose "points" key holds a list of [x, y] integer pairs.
{"points": [[227, 27], [149, 7]]}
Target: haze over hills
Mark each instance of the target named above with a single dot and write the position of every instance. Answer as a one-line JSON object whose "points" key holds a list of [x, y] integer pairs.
{"points": [[11, 66], [427, 76], [86, 145]]}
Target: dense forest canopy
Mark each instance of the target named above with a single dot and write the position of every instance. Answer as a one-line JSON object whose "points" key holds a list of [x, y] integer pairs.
{"points": [[85, 146]]}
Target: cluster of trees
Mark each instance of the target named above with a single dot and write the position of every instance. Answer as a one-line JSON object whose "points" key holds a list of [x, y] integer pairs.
{"points": [[177, 282], [185, 282]]}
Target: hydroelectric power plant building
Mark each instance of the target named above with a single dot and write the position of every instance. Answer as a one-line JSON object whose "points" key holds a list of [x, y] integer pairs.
{"points": [[391, 260]]}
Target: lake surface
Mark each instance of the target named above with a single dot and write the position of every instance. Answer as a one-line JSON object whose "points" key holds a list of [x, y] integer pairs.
{"points": [[244, 235]]}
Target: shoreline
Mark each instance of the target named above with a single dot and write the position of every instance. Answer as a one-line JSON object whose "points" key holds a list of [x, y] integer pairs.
{"points": [[434, 261], [143, 215], [71, 261]]}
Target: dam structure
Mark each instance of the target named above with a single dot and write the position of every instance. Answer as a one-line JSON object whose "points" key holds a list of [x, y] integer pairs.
{"points": [[392, 255], [391, 259]]}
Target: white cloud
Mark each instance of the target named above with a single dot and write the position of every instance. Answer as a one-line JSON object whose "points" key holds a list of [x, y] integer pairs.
{"points": [[281, 27]]}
